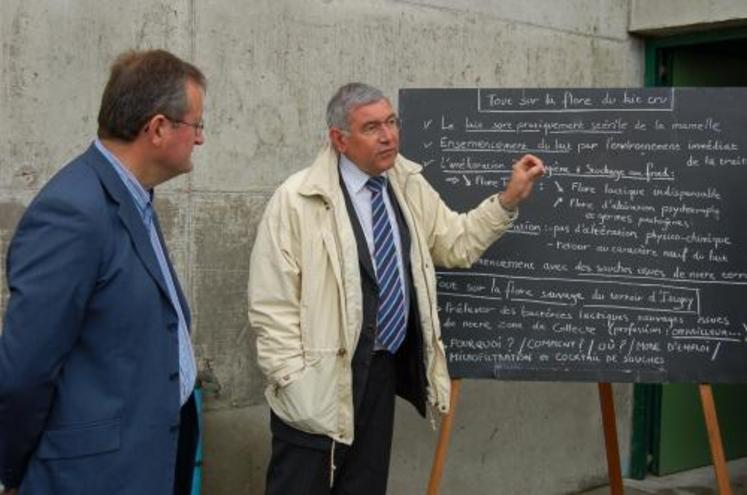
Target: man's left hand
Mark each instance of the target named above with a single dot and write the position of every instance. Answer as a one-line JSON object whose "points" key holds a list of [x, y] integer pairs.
{"points": [[525, 173]]}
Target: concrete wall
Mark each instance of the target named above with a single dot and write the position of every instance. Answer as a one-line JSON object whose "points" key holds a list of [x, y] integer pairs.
{"points": [[667, 17], [272, 65]]}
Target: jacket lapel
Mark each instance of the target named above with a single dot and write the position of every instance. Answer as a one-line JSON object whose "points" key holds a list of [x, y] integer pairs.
{"points": [[364, 256], [404, 231], [128, 214], [174, 278]]}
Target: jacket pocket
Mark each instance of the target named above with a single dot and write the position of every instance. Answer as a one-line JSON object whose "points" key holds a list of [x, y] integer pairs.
{"points": [[310, 402], [80, 440]]}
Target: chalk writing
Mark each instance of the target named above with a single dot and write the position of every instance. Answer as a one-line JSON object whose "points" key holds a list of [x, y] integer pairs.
{"points": [[627, 264]]}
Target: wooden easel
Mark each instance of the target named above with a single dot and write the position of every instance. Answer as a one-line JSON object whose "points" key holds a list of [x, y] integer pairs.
{"points": [[714, 439], [439, 460], [609, 423], [607, 405]]}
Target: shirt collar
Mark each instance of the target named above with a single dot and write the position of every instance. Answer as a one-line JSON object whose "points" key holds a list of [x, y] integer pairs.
{"points": [[352, 175]]}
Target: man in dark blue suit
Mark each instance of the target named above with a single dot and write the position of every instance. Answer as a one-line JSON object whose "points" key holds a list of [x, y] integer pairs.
{"points": [[96, 365]]}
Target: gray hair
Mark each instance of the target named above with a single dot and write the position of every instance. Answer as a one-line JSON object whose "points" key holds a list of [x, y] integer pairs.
{"points": [[348, 98]]}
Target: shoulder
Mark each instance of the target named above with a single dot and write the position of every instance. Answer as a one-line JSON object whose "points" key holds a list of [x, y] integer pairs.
{"points": [[291, 193], [75, 191], [75, 182], [294, 183], [408, 177]]}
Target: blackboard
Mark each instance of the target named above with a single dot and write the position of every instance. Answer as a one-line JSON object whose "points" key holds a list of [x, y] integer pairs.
{"points": [[628, 263]]}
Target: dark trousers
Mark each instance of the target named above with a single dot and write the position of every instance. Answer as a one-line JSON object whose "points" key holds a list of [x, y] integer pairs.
{"points": [[185, 454], [363, 467]]}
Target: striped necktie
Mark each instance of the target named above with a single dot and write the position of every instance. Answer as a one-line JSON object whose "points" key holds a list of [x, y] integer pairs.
{"points": [[390, 318]]}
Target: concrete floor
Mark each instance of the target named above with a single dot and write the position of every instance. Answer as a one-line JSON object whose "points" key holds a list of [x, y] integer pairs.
{"points": [[701, 481]]}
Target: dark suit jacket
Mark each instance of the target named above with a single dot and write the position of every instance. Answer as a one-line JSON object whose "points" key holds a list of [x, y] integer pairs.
{"points": [[89, 391]]}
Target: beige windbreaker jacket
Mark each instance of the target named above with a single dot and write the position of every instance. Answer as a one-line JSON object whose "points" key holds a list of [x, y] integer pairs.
{"points": [[305, 299]]}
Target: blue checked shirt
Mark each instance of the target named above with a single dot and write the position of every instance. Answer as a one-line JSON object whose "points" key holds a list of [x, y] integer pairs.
{"points": [[144, 204]]}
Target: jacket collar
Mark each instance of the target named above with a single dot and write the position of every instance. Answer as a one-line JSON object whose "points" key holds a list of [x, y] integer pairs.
{"points": [[128, 213]]}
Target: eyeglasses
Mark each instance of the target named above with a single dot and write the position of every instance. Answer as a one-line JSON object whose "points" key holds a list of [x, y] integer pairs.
{"points": [[199, 127], [372, 129]]}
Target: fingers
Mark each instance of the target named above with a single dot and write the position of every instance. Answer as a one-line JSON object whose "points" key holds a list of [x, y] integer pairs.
{"points": [[529, 160], [536, 172], [531, 165]]}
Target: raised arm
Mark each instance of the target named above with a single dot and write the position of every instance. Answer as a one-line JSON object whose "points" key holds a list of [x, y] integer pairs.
{"points": [[459, 239]]}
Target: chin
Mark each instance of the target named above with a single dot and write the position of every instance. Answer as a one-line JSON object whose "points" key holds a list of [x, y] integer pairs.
{"points": [[384, 166]]}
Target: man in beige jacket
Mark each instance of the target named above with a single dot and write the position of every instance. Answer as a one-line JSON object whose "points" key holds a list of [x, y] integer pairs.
{"points": [[342, 295]]}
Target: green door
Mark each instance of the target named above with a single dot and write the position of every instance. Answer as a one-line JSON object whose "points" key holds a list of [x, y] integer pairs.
{"points": [[669, 434]]}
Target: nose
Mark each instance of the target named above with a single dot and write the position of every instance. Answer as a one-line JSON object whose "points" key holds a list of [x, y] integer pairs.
{"points": [[199, 138], [387, 134]]}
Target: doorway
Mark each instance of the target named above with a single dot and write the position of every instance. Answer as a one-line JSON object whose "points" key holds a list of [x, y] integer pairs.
{"points": [[669, 433]]}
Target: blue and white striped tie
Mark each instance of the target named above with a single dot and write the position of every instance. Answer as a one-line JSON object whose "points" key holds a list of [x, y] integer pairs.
{"points": [[390, 319]]}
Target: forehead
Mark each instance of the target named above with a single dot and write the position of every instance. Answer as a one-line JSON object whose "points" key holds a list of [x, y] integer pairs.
{"points": [[195, 95], [371, 112]]}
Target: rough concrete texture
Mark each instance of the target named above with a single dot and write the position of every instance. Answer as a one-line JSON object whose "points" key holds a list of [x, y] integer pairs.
{"points": [[11, 209], [236, 449], [508, 438], [55, 57], [275, 64], [224, 226], [272, 65], [659, 17], [511, 438], [603, 18]]}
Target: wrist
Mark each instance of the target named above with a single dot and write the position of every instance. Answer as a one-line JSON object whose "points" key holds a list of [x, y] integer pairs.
{"points": [[507, 204]]}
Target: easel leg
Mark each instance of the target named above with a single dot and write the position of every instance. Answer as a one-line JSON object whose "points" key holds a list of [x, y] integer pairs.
{"points": [[714, 438], [609, 422], [439, 459]]}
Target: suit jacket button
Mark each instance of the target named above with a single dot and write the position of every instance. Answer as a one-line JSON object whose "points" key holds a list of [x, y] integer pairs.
{"points": [[173, 376], [174, 428], [341, 351]]}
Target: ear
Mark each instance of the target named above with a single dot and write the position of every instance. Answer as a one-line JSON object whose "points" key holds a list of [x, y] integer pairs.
{"points": [[155, 129], [338, 139]]}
